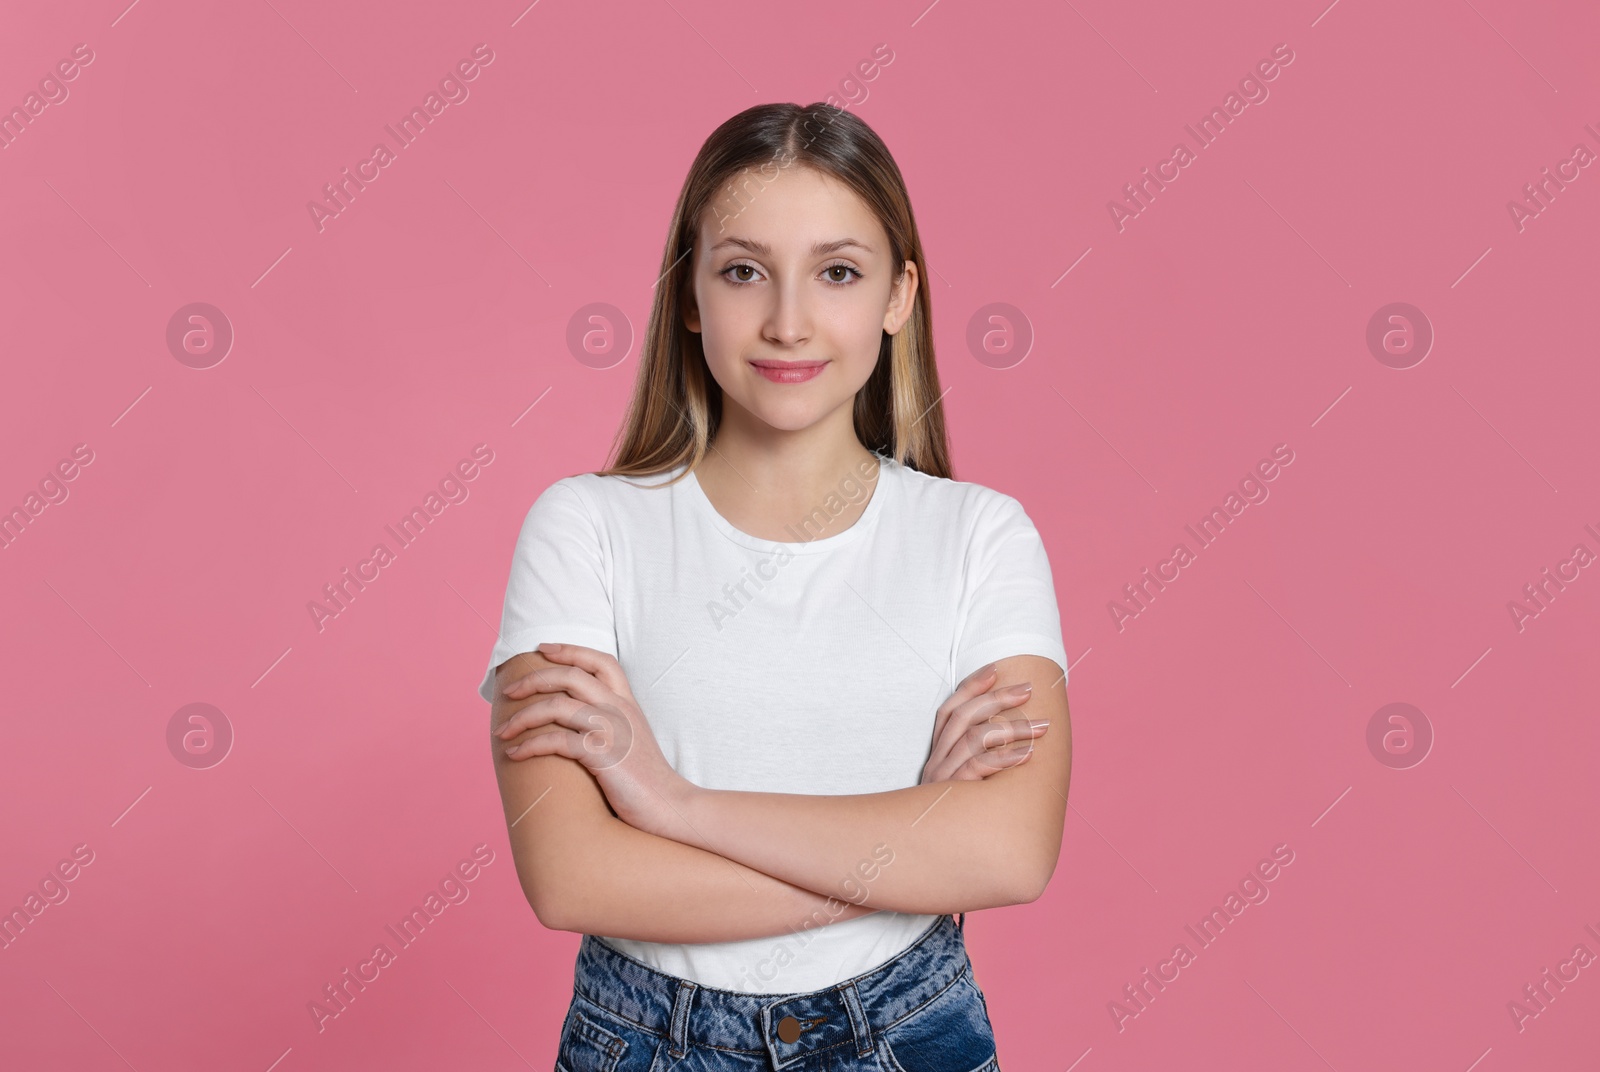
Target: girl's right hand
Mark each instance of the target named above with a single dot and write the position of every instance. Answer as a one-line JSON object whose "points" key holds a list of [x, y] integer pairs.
{"points": [[967, 746]]}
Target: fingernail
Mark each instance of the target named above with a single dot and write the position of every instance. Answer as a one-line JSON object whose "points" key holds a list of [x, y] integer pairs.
{"points": [[509, 749], [1038, 723], [547, 646], [1023, 689], [984, 671]]}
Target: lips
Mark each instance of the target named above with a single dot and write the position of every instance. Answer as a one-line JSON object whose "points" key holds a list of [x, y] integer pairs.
{"points": [[788, 371]]}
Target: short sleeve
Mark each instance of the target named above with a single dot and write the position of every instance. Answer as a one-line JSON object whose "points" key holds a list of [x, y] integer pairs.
{"points": [[560, 585], [1008, 601]]}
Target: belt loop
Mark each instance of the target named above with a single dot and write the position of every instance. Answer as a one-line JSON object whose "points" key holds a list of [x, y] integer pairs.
{"points": [[858, 1019], [679, 1031], [961, 924]]}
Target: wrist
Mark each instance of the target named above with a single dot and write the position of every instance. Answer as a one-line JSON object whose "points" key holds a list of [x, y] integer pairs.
{"points": [[671, 815], [685, 817]]}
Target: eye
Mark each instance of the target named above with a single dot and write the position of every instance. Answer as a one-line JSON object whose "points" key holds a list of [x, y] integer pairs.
{"points": [[849, 274], [727, 273], [847, 280]]}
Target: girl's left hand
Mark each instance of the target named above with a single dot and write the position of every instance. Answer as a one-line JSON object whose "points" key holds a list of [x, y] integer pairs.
{"points": [[606, 731]]}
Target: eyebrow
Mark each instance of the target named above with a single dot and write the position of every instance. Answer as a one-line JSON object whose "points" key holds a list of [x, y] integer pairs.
{"points": [[821, 249]]}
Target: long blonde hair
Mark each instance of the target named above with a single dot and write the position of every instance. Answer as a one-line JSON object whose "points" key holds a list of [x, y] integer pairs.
{"points": [[676, 403]]}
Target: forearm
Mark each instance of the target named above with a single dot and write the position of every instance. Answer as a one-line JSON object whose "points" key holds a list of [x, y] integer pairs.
{"points": [[582, 869], [624, 883], [937, 848], [934, 848]]}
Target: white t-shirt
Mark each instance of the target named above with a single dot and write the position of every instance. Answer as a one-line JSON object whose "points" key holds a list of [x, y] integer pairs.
{"points": [[813, 666]]}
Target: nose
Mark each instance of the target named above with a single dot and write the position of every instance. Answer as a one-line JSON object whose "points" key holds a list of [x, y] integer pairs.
{"points": [[789, 319]]}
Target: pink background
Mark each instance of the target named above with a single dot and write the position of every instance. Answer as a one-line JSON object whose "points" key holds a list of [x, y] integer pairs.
{"points": [[1229, 717]]}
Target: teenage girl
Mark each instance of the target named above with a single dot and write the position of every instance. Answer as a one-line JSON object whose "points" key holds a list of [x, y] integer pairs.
{"points": [[765, 727]]}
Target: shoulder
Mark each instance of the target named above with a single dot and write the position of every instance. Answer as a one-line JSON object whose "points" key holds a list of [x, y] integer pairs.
{"points": [[602, 499], [974, 509]]}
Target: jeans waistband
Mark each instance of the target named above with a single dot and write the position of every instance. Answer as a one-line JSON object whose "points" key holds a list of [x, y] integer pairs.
{"points": [[785, 1026]]}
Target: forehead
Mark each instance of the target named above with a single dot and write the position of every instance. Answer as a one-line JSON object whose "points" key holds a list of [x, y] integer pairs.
{"points": [[789, 210]]}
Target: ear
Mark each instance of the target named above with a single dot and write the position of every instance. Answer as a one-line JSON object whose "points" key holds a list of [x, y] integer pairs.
{"points": [[902, 299], [691, 310]]}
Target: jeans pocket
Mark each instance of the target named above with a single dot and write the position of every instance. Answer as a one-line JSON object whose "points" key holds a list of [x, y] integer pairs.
{"points": [[594, 1040], [951, 1033]]}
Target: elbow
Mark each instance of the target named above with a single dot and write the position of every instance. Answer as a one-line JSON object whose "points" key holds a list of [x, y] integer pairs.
{"points": [[537, 889], [544, 908], [547, 886], [1032, 876], [1026, 888], [1030, 887], [565, 874], [549, 908]]}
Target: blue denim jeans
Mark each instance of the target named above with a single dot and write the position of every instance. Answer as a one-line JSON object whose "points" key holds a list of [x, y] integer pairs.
{"points": [[919, 1011]]}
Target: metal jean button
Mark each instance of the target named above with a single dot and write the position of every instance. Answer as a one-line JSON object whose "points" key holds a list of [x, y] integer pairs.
{"points": [[789, 1028]]}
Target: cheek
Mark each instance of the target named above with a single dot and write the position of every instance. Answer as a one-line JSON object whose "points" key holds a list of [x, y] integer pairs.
{"points": [[726, 331], [855, 336]]}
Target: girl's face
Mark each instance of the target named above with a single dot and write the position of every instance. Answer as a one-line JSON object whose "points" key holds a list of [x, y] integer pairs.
{"points": [[793, 290]]}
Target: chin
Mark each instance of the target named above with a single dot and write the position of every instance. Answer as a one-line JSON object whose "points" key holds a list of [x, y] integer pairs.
{"points": [[796, 416], [788, 421]]}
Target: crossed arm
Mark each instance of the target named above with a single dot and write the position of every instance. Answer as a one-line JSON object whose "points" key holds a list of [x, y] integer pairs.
{"points": [[755, 864]]}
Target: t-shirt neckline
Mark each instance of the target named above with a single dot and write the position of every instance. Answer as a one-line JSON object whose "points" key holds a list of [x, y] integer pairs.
{"points": [[883, 487]]}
